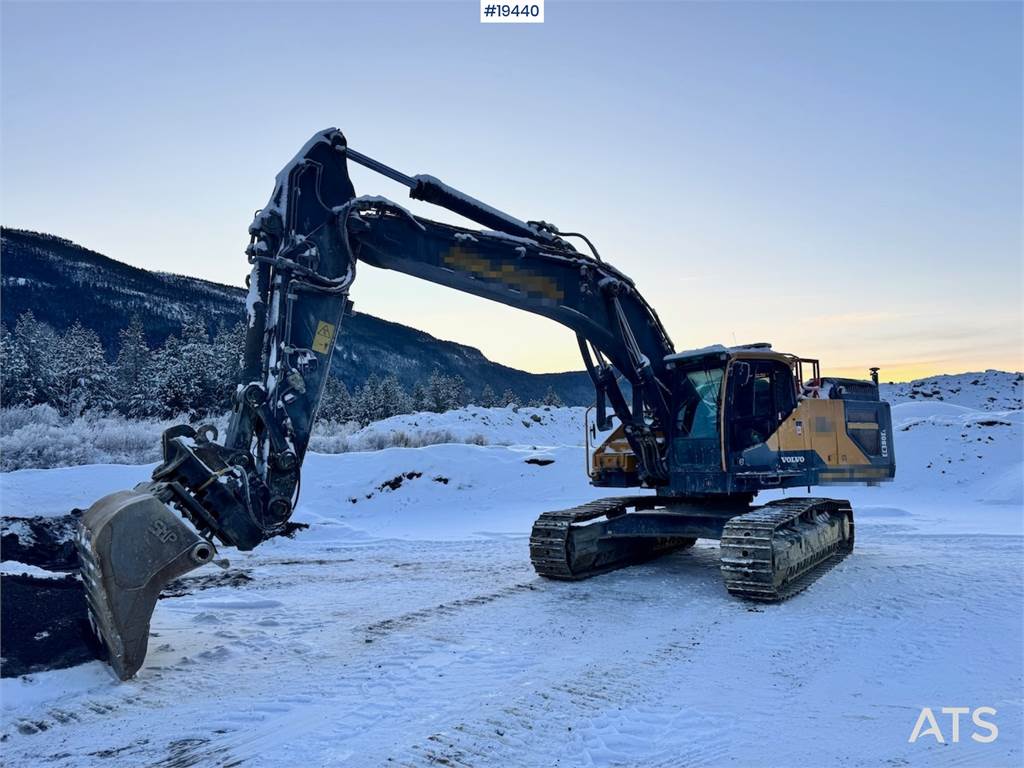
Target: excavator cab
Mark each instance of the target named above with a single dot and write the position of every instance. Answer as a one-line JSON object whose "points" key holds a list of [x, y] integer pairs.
{"points": [[745, 420]]}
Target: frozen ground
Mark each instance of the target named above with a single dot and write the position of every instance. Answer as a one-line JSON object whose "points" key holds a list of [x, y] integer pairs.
{"points": [[407, 627]]}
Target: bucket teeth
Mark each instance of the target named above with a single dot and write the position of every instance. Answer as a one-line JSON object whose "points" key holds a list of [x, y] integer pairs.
{"points": [[130, 544]]}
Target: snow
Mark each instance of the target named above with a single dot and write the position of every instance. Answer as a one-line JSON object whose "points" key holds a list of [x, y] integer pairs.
{"points": [[280, 193], [252, 295], [462, 491], [12, 568], [716, 349], [687, 354], [495, 234], [407, 627], [983, 390], [37, 437], [372, 200], [494, 426], [19, 529]]}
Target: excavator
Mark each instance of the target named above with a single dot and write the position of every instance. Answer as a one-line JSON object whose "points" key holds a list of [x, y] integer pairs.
{"points": [[705, 429]]}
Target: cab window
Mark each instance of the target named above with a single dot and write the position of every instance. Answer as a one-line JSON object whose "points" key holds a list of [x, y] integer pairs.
{"points": [[697, 414]]}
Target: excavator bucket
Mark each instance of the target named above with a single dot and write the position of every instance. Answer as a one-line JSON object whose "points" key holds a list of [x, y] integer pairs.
{"points": [[130, 544]]}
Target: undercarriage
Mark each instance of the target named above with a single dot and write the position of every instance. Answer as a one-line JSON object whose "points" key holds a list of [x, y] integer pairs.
{"points": [[768, 553]]}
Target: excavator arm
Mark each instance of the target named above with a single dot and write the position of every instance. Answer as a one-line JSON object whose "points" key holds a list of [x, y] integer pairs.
{"points": [[304, 248]]}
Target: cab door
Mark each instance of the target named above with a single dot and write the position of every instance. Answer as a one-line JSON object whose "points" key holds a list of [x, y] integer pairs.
{"points": [[761, 395]]}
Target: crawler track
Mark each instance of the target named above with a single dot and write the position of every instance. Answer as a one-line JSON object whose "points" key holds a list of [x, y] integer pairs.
{"points": [[777, 550], [561, 548]]}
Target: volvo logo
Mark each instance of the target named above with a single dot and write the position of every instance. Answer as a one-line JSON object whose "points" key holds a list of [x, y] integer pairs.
{"points": [[793, 459]]}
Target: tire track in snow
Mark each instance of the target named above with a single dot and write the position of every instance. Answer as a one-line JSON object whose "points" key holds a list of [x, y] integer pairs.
{"points": [[403, 671], [584, 704], [605, 702], [399, 675], [270, 632], [384, 627]]}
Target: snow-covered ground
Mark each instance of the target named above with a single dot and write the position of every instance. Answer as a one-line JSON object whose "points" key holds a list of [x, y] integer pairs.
{"points": [[38, 438], [488, 426], [406, 626]]}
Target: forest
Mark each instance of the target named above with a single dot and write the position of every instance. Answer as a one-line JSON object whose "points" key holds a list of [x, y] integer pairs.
{"points": [[192, 375]]}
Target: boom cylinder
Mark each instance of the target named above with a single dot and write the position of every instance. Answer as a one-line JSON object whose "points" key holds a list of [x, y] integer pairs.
{"points": [[432, 190]]}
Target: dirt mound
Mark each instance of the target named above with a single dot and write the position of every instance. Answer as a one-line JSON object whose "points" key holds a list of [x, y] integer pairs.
{"points": [[46, 542], [44, 625]]}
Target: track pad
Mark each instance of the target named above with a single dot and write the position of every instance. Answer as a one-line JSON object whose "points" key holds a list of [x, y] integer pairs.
{"points": [[130, 544]]}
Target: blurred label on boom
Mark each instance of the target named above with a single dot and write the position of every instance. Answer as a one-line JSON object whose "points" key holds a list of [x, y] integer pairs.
{"points": [[512, 13]]}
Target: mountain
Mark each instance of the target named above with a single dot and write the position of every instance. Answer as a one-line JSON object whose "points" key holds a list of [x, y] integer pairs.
{"points": [[62, 282]]}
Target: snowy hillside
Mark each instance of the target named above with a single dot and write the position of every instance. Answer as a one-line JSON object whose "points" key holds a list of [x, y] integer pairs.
{"points": [[103, 294], [987, 391], [406, 626], [972, 450]]}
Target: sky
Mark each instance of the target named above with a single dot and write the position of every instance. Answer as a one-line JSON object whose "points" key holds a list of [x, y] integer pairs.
{"points": [[843, 180]]}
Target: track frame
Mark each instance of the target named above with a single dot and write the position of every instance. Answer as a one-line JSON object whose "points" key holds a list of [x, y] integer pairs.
{"points": [[768, 553]]}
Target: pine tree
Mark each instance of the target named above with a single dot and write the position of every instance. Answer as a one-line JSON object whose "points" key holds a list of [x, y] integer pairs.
{"points": [[433, 393], [393, 397], [419, 397], [552, 398], [131, 387], [487, 397], [38, 343], [443, 393], [367, 405], [176, 390], [457, 395], [336, 402], [203, 366], [228, 348], [509, 397], [16, 384], [81, 375]]}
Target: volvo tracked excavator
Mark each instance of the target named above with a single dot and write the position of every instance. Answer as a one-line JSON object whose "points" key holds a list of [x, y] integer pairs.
{"points": [[706, 429]]}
